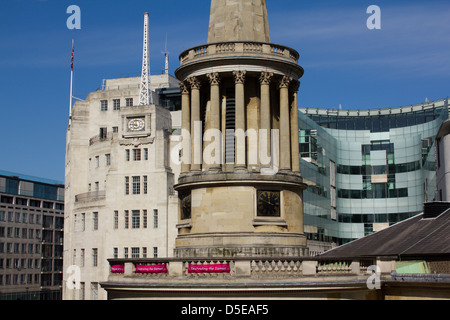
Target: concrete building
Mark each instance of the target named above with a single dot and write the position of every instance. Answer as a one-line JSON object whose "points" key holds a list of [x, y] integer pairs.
{"points": [[31, 237], [119, 182]]}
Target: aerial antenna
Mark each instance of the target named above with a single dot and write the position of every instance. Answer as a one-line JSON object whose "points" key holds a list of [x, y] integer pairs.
{"points": [[166, 55], [146, 97]]}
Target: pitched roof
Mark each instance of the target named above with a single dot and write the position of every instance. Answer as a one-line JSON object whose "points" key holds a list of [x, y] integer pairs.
{"points": [[422, 235]]}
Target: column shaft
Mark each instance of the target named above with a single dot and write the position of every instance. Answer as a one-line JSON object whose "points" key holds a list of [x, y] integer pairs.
{"points": [[240, 141], [185, 129], [265, 127], [196, 126], [294, 131], [285, 133], [216, 157]]}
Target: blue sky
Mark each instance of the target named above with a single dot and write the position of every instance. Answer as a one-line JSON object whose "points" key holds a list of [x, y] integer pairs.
{"points": [[403, 63]]}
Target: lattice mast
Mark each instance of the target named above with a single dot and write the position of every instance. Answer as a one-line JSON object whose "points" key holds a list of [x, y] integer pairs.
{"points": [[146, 97], [166, 56]]}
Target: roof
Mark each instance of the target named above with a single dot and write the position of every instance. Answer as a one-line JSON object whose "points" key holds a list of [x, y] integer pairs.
{"points": [[419, 236]]}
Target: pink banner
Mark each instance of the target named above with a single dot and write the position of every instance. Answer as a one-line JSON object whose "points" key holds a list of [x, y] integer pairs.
{"points": [[118, 269], [209, 268], [159, 268]]}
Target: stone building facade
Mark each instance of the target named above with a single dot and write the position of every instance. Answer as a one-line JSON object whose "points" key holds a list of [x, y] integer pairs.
{"points": [[119, 183]]}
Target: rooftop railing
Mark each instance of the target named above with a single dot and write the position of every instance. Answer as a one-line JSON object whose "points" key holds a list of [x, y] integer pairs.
{"points": [[249, 49]]}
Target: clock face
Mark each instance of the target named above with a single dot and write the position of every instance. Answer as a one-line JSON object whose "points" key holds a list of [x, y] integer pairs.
{"points": [[269, 204], [186, 207], [136, 124]]}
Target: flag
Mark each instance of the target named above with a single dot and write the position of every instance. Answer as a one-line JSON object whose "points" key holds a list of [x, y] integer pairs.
{"points": [[71, 60]]}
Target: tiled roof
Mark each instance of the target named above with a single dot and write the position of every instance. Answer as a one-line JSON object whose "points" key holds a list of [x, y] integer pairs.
{"points": [[427, 234]]}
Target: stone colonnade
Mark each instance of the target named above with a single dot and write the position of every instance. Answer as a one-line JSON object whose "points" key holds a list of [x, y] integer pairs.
{"points": [[193, 105]]}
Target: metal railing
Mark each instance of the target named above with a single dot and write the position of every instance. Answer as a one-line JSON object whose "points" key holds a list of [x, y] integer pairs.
{"points": [[90, 196]]}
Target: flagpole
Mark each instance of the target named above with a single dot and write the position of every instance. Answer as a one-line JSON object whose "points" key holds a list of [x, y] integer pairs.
{"points": [[71, 85]]}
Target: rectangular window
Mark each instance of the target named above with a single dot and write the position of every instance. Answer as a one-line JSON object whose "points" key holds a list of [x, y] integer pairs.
{"points": [[144, 219], [127, 219], [125, 253], [127, 155], [144, 252], [135, 219], [145, 184], [135, 252], [155, 219], [136, 185], [116, 104], [116, 220], [129, 102], [116, 253], [104, 105], [94, 257], [108, 159], [127, 185], [137, 154], [82, 258], [83, 221], [95, 220], [145, 153], [155, 252]]}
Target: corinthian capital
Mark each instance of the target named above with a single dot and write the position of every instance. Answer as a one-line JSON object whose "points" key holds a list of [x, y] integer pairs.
{"points": [[194, 82], [214, 78], [239, 76], [184, 88], [285, 81], [265, 77]]}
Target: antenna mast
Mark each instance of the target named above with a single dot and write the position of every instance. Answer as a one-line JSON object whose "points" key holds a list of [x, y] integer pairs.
{"points": [[166, 55], [146, 97]]}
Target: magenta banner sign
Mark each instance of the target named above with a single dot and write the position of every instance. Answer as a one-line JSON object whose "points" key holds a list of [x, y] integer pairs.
{"points": [[209, 268], [158, 268], [118, 269]]}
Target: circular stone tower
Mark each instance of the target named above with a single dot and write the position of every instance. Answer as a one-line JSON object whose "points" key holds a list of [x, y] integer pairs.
{"points": [[240, 186]]}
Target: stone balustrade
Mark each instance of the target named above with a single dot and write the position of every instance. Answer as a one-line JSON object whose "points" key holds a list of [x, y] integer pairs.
{"points": [[241, 267], [215, 50]]}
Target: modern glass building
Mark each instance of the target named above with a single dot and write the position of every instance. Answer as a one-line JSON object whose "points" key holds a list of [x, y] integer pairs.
{"points": [[31, 237], [367, 169]]}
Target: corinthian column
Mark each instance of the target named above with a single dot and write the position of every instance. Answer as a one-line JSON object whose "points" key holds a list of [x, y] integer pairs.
{"points": [[240, 142], [185, 128], [294, 129], [285, 133], [196, 127], [265, 153], [214, 80]]}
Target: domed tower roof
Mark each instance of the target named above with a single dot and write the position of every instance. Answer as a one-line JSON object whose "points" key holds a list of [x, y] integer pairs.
{"points": [[238, 20]]}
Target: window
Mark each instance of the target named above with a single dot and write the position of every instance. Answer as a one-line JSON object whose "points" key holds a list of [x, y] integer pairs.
{"points": [[116, 253], [136, 185], [94, 257], [125, 253], [145, 153], [127, 185], [82, 258], [97, 161], [144, 219], [116, 104], [135, 219], [95, 220], [155, 252], [104, 105], [83, 221], [108, 159], [145, 185], [137, 154], [135, 252], [127, 155], [129, 102], [127, 219], [94, 291], [155, 218], [115, 129], [103, 133], [116, 220], [144, 252]]}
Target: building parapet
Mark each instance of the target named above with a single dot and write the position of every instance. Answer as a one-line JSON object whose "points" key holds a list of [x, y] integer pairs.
{"points": [[215, 50]]}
